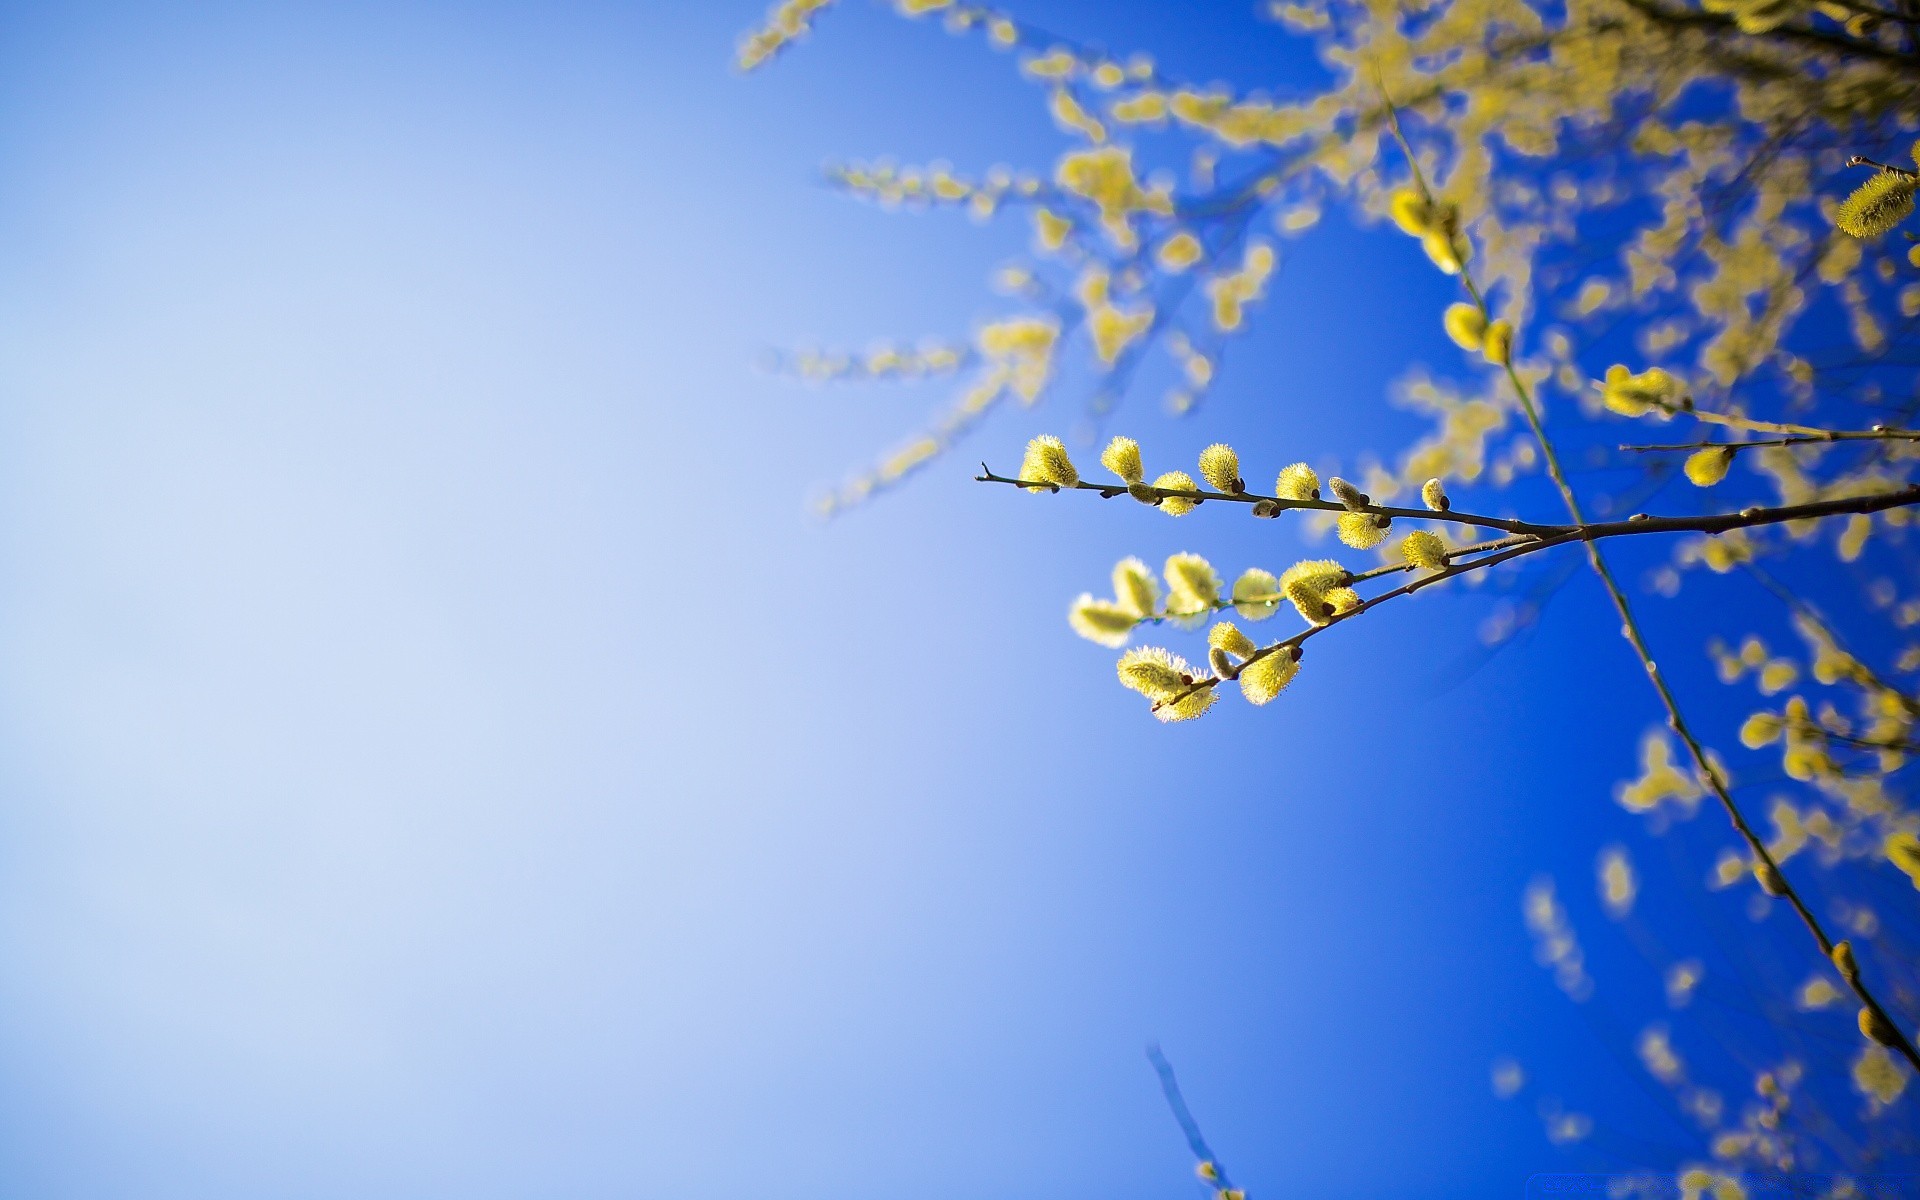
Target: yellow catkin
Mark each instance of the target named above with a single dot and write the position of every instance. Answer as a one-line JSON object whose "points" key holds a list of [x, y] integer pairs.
{"points": [[1227, 636], [1101, 621], [1630, 395], [1122, 457], [1220, 466], [1423, 549], [1760, 729], [1177, 481], [1877, 1027], [1297, 482], [1256, 594], [1265, 678], [1192, 584], [1155, 673], [1362, 531], [1466, 325], [1433, 494], [1499, 347], [1306, 584], [1135, 588], [1902, 849], [1883, 201], [1708, 466], [1050, 455]]}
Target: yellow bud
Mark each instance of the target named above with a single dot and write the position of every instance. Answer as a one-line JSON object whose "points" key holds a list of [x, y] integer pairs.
{"points": [[1307, 583], [1913, 254], [1135, 587], [1877, 205], [1760, 729], [1633, 395], [1903, 850], [1256, 594], [1220, 466], [1207, 1171], [1220, 661], [1050, 456], [1227, 636], [1877, 1027], [1186, 708], [1264, 678], [1434, 494], [1769, 878], [1297, 482], [1410, 211], [1154, 673], [1499, 348], [1101, 621], [1466, 325], [1122, 457], [1192, 585], [1843, 959], [1424, 549], [1708, 466], [1348, 494], [1178, 481], [1362, 531]]}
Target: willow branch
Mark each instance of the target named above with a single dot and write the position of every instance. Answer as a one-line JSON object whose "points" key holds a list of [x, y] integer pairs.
{"points": [[1630, 629]]}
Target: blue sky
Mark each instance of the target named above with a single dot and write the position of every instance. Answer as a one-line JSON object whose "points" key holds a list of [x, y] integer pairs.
{"points": [[443, 758]]}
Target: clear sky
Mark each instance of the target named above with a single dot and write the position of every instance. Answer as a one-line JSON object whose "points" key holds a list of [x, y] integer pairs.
{"points": [[440, 756]]}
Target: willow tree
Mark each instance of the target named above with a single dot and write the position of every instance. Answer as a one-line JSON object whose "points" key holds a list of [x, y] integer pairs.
{"points": [[1677, 226]]}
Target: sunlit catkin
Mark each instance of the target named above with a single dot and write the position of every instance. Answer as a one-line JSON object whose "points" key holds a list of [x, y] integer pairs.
{"points": [[1177, 481], [1466, 325], [1843, 960], [1155, 673], [1227, 636], [1423, 549], [1187, 707], [1135, 588], [1708, 466], [1297, 482], [1362, 531], [1306, 584], [1499, 346], [1192, 584], [1877, 1027], [1256, 594], [1050, 456], [1266, 677], [1220, 466], [1883, 201], [1101, 621], [1122, 457], [1433, 494]]}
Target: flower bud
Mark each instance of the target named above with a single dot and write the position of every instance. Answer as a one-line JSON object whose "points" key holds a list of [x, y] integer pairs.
{"points": [[1220, 466], [1708, 466], [1348, 494], [1499, 347], [1423, 549], [1122, 457], [1466, 325], [1177, 481], [1362, 531], [1297, 482], [1050, 456], [1434, 494]]}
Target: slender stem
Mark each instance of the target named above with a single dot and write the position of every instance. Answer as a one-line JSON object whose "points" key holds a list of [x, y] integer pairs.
{"points": [[1831, 435], [1109, 490]]}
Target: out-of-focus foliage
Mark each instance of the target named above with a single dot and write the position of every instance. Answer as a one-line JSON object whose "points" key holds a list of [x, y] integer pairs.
{"points": [[1685, 226]]}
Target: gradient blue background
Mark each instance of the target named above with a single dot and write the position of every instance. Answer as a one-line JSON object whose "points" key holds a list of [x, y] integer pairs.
{"points": [[439, 757]]}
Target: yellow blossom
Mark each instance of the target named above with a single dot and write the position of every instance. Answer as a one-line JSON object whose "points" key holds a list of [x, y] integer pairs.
{"points": [[1297, 482], [1220, 466], [1362, 531], [1101, 621], [1424, 549], [1177, 481], [1122, 457]]}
